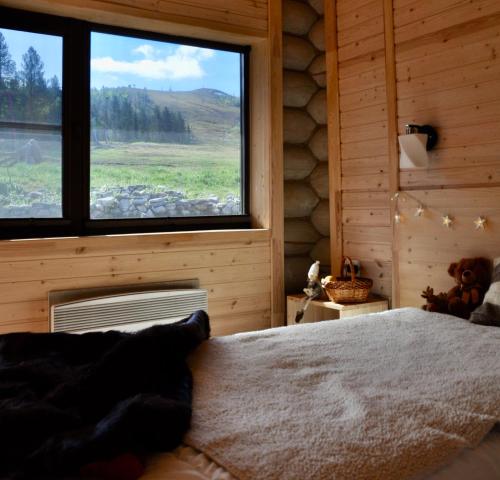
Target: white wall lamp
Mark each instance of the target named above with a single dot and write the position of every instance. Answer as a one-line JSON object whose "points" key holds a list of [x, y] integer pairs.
{"points": [[415, 144]]}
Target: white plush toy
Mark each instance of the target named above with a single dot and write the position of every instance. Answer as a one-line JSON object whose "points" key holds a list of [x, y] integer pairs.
{"points": [[312, 291]]}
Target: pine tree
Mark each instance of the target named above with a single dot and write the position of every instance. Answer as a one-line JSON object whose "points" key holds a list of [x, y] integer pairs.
{"points": [[32, 76], [53, 96], [7, 65]]}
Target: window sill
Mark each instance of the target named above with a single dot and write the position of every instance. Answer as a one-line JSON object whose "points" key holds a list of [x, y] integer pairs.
{"points": [[130, 241]]}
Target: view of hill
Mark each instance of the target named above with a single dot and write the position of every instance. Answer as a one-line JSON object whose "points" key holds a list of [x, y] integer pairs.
{"points": [[212, 115]]}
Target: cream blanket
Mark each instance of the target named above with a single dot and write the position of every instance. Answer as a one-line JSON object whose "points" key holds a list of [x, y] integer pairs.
{"points": [[383, 396]]}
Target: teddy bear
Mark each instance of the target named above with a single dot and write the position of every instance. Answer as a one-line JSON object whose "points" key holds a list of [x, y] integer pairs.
{"points": [[472, 277]]}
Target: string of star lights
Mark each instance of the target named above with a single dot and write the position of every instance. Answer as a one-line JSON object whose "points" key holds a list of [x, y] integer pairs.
{"points": [[447, 220]]}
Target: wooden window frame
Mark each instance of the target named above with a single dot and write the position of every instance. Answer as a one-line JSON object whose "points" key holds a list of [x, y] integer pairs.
{"points": [[75, 131]]}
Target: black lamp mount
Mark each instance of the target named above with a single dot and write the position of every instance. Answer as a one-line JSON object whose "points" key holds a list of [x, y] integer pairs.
{"points": [[432, 136]]}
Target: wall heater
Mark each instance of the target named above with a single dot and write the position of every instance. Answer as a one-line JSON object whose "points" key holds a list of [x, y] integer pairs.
{"points": [[128, 311]]}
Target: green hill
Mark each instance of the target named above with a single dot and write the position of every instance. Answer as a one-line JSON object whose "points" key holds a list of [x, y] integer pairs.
{"points": [[213, 116]]}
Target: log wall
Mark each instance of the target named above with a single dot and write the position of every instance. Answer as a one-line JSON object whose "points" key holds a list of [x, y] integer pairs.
{"points": [[306, 192]]}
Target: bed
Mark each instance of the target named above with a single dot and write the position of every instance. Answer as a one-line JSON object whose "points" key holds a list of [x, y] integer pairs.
{"points": [[395, 395]]}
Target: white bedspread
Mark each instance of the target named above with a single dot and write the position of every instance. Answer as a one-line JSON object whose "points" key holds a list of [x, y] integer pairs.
{"points": [[384, 396], [186, 463]]}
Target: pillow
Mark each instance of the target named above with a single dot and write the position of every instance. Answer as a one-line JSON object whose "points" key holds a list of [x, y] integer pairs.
{"points": [[489, 312]]}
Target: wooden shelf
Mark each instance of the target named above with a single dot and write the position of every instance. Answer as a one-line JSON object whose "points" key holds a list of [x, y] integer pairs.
{"points": [[325, 310]]}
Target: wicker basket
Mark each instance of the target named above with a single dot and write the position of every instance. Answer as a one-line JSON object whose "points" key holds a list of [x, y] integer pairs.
{"points": [[348, 289]]}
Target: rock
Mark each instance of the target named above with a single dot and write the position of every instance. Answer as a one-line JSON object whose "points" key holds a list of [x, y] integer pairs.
{"points": [[107, 202], [317, 107], [297, 53], [124, 204], [298, 162], [321, 218], [298, 88], [317, 35], [319, 180], [300, 199], [159, 211], [157, 201], [295, 273], [298, 17], [30, 152], [228, 209], [321, 251], [317, 70], [319, 144], [297, 126], [133, 201], [318, 6]]}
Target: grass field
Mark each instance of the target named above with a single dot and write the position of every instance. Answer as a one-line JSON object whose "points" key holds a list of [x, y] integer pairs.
{"points": [[196, 170]]}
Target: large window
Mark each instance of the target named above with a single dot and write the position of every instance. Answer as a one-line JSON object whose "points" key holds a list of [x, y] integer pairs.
{"points": [[107, 130]]}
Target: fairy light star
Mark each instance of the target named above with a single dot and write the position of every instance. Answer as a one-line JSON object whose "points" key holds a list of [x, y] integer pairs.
{"points": [[397, 217], [419, 211], [447, 221], [480, 223]]}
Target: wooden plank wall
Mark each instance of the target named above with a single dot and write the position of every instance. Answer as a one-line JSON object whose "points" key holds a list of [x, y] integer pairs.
{"points": [[422, 62], [363, 135], [248, 17], [234, 266], [242, 270], [427, 247], [448, 75]]}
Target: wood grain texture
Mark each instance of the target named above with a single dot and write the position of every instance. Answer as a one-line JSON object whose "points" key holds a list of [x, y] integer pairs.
{"points": [[277, 166], [392, 133], [439, 65], [427, 247], [363, 90], [234, 266], [246, 17], [242, 270], [334, 137]]}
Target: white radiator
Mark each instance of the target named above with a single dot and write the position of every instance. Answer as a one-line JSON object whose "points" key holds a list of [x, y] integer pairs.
{"points": [[127, 312]]}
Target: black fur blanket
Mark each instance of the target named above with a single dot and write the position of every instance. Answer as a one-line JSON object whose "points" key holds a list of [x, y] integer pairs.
{"points": [[67, 400]]}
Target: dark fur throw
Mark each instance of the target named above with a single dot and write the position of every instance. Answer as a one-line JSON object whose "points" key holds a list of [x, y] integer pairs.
{"points": [[68, 400]]}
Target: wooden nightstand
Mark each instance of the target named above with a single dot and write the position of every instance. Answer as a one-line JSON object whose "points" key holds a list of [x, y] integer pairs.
{"points": [[324, 310]]}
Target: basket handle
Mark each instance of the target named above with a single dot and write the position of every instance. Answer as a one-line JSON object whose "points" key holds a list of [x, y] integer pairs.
{"points": [[349, 261]]}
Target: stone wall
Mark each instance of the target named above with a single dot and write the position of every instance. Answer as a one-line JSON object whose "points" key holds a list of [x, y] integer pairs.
{"points": [[307, 225], [134, 201]]}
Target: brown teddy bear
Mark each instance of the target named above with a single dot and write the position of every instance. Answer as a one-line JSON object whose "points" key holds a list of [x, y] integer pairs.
{"points": [[473, 277]]}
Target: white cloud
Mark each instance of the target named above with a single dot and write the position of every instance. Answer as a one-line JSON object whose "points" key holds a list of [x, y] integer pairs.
{"points": [[185, 62], [147, 50]]}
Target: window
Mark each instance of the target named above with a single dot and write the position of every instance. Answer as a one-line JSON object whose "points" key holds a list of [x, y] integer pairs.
{"points": [[30, 125], [109, 130]]}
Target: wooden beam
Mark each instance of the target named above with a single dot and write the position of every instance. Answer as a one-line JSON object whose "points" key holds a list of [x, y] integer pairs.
{"points": [[162, 17], [392, 136], [334, 151], [276, 163]]}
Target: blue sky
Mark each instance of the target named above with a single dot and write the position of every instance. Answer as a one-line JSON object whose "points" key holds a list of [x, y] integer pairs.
{"points": [[48, 47], [121, 61], [118, 61]]}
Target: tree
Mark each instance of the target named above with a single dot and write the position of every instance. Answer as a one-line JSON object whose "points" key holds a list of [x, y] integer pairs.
{"points": [[54, 101], [54, 84], [7, 65], [32, 76]]}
